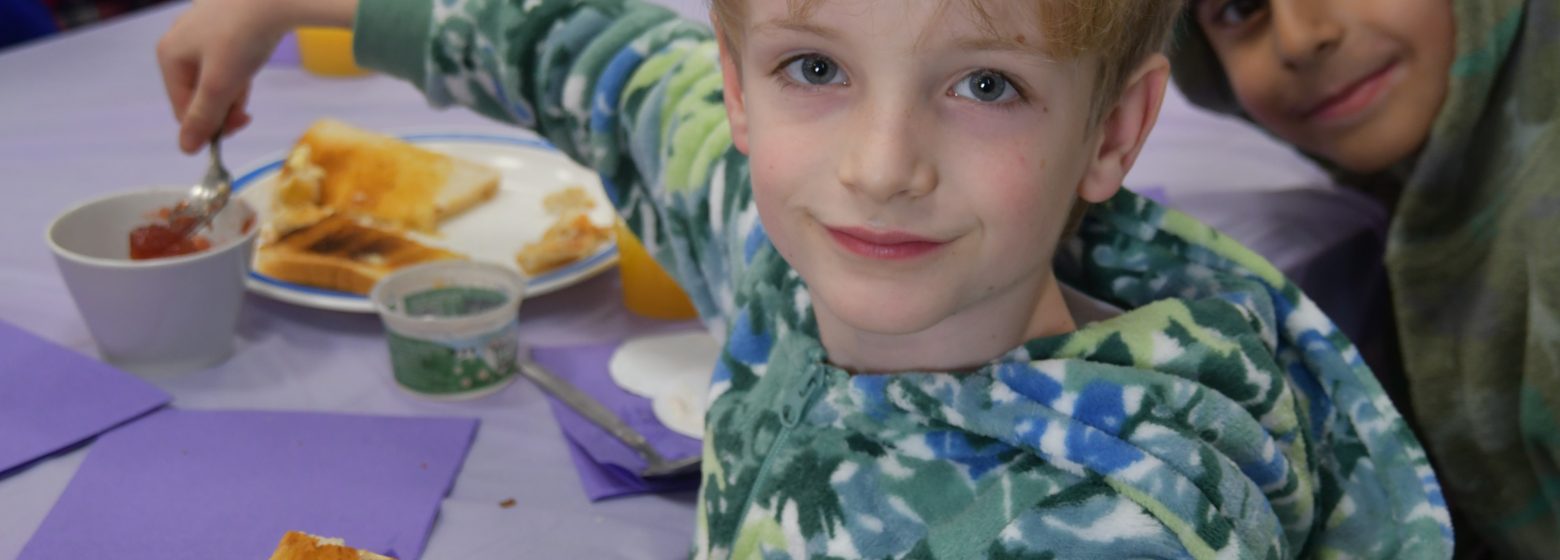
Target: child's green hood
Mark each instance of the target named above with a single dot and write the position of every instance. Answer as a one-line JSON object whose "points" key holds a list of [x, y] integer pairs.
{"points": [[1474, 258]]}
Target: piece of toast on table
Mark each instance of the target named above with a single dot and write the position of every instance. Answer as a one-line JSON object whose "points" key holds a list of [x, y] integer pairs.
{"points": [[297, 545], [343, 254], [347, 169]]}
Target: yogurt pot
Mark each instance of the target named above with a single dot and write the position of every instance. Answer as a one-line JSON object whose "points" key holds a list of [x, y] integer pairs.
{"points": [[453, 327]]}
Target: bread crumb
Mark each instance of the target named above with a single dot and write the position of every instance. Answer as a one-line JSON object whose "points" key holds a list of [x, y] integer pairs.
{"points": [[568, 201]]}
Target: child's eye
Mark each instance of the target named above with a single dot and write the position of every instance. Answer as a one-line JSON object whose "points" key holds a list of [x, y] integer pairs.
{"points": [[985, 86], [1236, 12], [813, 70]]}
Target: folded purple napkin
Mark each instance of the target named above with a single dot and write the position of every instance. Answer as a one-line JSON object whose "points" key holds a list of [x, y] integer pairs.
{"points": [[228, 484], [607, 467], [52, 398]]}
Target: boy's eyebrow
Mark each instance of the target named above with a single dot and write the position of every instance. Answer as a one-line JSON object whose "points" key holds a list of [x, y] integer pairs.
{"points": [[799, 25], [995, 44], [1033, 49]]}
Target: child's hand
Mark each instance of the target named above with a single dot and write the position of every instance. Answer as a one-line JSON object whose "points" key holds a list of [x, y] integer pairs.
{"points": [[212, 52]]}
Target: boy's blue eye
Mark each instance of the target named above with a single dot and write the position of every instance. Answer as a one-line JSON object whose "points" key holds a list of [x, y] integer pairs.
{"points": [[985, 86], [813, 70]]}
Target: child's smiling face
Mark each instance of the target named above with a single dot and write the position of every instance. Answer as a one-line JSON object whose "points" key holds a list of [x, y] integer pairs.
{"points": [[1358, 82], [917, 167]]}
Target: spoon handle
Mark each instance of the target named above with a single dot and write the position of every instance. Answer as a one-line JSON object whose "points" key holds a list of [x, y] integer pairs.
{"points": [[216, 149]]}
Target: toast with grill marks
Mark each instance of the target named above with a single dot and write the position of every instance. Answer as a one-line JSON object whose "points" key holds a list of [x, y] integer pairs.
{"points": [[343, 254]]}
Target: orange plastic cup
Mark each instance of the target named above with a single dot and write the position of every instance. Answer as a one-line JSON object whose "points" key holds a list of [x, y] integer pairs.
{"points": [[647, 289], [327, 51]]}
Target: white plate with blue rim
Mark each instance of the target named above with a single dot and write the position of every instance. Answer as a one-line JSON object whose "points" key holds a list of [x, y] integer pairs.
{"points": [[493, 231]]}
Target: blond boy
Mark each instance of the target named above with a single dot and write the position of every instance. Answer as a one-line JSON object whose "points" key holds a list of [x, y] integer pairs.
{"points": [[867, 200]]}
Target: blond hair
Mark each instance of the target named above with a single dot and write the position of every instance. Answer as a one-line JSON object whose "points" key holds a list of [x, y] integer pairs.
{"points": [[1121, 33]]}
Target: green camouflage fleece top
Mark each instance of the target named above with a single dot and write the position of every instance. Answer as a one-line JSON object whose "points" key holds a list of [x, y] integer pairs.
{"points": [[1473, 256], [1221, 416]]}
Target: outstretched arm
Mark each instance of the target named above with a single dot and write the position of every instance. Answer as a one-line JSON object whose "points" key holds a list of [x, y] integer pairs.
{"points": [[211, 54]]}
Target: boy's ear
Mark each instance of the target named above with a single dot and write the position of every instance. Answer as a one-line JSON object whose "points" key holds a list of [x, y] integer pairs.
{"points": [[1121, 134], [731, 79]]}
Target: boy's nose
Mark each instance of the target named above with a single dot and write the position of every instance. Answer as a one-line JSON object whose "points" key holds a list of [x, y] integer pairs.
{"points": [[1305, 31], [884, 157]]}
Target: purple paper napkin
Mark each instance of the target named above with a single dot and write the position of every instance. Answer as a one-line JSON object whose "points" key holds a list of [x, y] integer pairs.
{"points": [[602, 480], [228, 484], [52, 398], [607, 467]]}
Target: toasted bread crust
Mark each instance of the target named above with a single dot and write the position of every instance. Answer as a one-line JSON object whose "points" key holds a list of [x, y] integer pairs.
{"points": [[297, 545], [469, 185]]}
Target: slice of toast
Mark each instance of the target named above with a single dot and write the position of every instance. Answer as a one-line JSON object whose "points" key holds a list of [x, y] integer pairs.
{"points": [[340, 253], [571, 238], [388, 179], [298, 545]]}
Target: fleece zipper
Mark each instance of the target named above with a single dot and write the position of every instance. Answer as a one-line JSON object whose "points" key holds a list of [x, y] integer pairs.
{"points": [[791, 413]]}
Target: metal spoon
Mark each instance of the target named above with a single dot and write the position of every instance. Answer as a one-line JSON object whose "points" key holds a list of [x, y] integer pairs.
{"points": [[206, 199]]}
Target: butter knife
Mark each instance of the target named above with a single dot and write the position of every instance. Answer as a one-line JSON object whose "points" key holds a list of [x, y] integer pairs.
{"points": [[656, 465]]}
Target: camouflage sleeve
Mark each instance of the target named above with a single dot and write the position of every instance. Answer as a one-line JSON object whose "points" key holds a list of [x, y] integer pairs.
{"points": [[621, 86]]}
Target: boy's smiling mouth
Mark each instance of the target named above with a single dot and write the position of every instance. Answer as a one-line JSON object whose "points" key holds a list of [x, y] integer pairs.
{"points": [[883, 244], [1354, 98]]}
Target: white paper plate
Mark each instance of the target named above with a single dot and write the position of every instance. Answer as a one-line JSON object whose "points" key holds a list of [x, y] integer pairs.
{"points": [[493, 231], [673, 371]]}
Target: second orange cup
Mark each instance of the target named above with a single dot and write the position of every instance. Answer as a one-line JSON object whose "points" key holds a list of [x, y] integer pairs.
{"points": [[647, 288]]}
